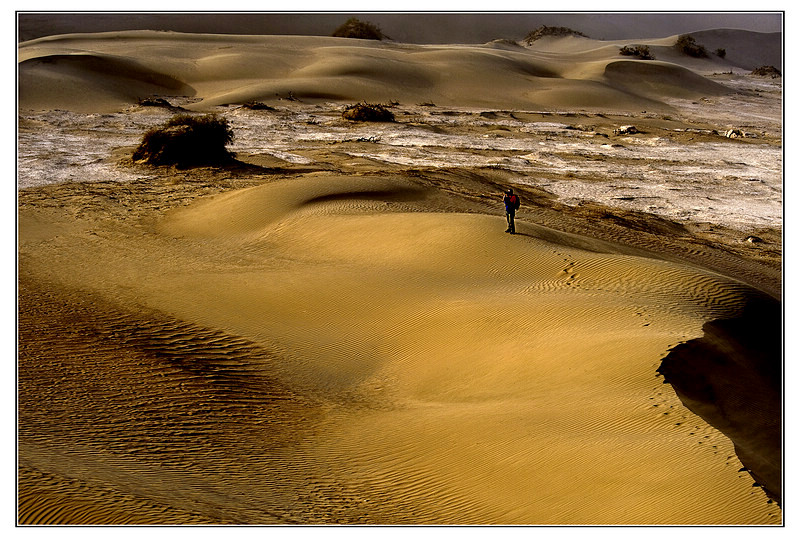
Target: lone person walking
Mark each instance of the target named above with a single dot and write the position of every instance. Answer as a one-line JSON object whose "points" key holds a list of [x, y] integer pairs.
{"points": [[512, 205]]}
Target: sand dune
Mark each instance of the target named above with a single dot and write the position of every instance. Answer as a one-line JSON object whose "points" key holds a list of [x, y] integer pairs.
{"points": [[99, 70], [357, 341], [458, 375], [662, 78]]}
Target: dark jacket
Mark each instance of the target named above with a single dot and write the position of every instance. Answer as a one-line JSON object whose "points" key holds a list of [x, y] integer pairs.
{"points": [[512, 203]]}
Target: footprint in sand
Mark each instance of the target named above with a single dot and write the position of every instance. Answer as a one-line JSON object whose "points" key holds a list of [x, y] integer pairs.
{"points": [[570, 271]]}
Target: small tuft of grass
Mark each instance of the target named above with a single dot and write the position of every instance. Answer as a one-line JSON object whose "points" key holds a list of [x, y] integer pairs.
{"points": [[187, 141]]}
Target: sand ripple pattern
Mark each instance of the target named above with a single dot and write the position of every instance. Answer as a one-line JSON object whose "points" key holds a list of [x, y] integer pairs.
{"points": [[149, 404], [444, 345], [353, 359]]}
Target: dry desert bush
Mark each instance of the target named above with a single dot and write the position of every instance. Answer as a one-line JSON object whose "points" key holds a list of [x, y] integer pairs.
{"points": [[767, 71], [368, 112], [155, 102], [257, 106], [187, 141], [639, 51], [548, 31], [688, 46], [354, 28]]}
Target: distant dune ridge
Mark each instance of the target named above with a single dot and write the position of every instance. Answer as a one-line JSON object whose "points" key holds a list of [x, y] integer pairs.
{"points": [[115, 69], [424, 27], [349, 340]]}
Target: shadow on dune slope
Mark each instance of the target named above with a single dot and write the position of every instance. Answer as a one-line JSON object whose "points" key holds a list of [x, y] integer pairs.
{"points": [[95, 78], [731, 377], [660, 79]]}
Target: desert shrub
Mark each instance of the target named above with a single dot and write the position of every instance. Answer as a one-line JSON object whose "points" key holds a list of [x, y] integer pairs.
{"points": [[639, 51], [720, 53], [354, 28], [186, 141], [766, 71], [547, 31], [155, 102], [257, 106], [368, 112], [688, 46]]}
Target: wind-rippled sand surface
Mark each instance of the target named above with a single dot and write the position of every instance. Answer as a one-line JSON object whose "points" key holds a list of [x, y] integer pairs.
{"points": [[340, 332]]}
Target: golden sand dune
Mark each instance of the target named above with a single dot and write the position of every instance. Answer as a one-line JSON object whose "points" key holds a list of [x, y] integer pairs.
{"points": [[355, 339], [444, 372], [99, 70]]}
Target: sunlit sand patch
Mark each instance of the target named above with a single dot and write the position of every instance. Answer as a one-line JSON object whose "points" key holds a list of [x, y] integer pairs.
{"points": [[463, 337]]}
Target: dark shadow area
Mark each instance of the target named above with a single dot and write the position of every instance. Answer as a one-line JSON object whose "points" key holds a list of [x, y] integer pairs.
{"points": [[106, 72], [732, 378], [394, 195]]}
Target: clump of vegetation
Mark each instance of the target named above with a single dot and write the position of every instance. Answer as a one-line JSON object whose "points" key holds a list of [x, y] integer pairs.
{"points": [[187, 141], [720, 53], [547, 31], [354, 28], [155, 102], [368, 112], [639, 51], [766, 71], [257, 106], [688, 46]]}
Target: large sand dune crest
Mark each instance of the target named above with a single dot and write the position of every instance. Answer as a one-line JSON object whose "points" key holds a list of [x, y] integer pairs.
{"points": [[252, 210]]}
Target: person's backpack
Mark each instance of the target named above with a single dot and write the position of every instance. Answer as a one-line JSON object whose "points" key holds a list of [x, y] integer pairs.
{"points": [[514, 200]]}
